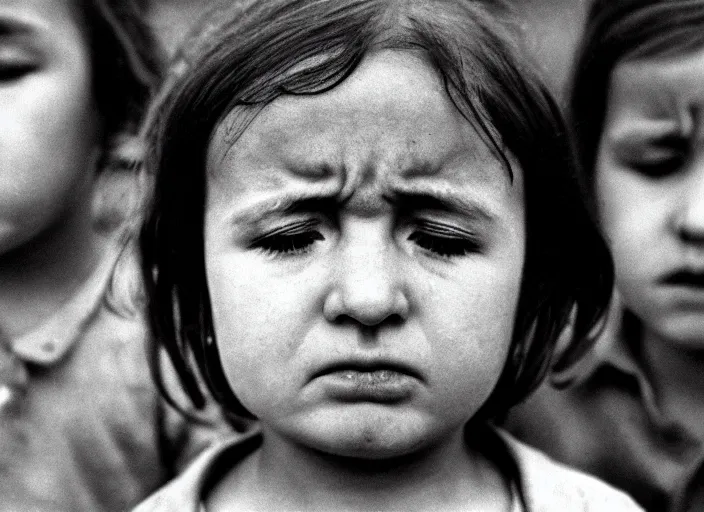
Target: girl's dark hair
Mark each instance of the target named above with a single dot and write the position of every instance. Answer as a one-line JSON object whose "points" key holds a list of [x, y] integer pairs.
{"points": [[126, 64], [259, 50], [617, 31]]}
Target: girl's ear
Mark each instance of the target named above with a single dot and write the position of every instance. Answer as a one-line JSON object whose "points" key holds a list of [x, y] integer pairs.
{"points": [[511, 386], [521, 350], [216, 380]]}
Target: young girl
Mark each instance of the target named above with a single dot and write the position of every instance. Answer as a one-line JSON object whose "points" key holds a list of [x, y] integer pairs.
{"points": [[366, 234], [633, 410], [82, 428]]}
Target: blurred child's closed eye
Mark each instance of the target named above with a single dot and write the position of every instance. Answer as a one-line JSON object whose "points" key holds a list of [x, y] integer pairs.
{"points": [[656, 158], [15, 65]]}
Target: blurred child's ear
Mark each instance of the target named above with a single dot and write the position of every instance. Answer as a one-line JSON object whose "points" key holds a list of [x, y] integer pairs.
{"points": [[118, 189], [602, 337], [564, 340]]}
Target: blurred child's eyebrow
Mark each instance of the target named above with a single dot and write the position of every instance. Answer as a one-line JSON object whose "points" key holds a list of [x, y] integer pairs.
{"points": [[10, 27], [651, 131]]}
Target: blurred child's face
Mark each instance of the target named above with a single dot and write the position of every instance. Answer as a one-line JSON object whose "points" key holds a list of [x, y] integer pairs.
{"points": [[49, 127], [364, 252], [650, 188]]}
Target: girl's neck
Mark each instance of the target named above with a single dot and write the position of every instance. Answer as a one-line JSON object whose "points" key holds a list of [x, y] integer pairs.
{"points": [[677, 377], [285, 476], [37, 278]]}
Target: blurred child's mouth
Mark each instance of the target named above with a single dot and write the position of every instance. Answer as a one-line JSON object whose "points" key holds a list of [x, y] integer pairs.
{"points": [[685, 278]]}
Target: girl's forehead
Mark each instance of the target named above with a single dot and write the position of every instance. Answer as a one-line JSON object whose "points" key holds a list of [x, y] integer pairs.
{"points": [[390, 121]]}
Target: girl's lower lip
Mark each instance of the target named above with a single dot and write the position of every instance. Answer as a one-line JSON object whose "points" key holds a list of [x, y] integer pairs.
{"points": [[368, 385]]}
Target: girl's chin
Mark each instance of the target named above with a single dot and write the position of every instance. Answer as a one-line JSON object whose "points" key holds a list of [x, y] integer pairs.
{"points": [[375, 436], [369, 448]]}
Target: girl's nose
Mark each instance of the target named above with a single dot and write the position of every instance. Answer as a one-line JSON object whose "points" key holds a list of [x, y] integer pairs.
{"points": [[367, 287], [690, 221]]}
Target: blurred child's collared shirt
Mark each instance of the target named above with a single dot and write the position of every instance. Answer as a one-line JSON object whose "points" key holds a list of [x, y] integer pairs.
{"points": [[607, 422], [82, 426], [545, 486]]}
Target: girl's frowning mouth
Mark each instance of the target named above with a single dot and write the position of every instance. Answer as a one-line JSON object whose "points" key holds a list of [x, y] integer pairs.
{"points": [[368, 382]]}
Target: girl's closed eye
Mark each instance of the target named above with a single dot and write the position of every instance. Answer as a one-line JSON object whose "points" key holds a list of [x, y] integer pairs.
{"points": [[290, 240], [443, 240]]}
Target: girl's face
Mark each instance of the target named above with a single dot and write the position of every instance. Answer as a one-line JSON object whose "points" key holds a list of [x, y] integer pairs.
{"points": [[650, 188], [49, 126], [364, 252]]}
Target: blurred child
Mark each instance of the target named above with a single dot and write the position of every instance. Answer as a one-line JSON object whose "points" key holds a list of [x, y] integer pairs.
{"points": [[82, 427], [366, 234], [632, 413]]}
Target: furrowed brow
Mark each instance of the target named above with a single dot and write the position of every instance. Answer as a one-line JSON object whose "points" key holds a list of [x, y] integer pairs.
{"points": [[433, 200], [305, 202]]}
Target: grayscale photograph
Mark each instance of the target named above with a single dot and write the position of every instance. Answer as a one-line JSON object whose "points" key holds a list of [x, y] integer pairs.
{"points": [[351, 255]]}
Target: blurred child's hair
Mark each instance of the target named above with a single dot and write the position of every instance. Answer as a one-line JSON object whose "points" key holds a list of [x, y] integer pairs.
{"points": [[126, 67], [618, 31], [253, 52]]}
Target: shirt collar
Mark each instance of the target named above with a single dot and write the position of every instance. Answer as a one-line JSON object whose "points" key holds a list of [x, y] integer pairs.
{"points": [[617, 349], [611, 348], [50, 341]]}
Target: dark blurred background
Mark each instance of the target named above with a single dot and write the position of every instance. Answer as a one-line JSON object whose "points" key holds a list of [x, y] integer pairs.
{"points": [[551, 29]]}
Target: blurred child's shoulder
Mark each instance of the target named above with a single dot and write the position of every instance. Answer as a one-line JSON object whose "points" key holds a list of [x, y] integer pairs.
{"points": [[550, 486], [118, 329]]}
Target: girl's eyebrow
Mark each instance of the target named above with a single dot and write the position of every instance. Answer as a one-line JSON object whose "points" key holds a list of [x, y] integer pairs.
{"points": [[442, 201], [289, 203], [321, 202]]}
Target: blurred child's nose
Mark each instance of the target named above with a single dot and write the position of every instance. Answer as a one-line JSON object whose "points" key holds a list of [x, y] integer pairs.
{"points": [[690, 220], [368, 287]]}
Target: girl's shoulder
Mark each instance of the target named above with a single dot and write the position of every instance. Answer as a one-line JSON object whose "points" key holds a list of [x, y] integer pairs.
{"points": [[545, 485], [185, 492], [549, 486]]}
